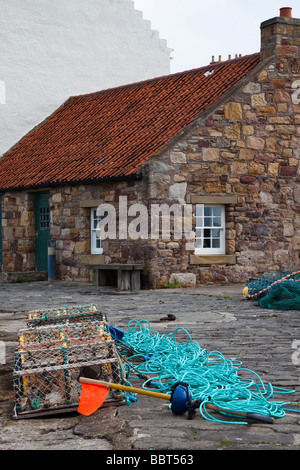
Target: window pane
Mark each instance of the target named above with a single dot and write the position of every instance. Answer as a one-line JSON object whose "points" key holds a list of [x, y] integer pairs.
{"points": [[206, 233], [217, 222], [215, 233], [207, 221], [198, 233], [206, 243], [217, 211], [199, 210], [215, 243], [199, 221], [199, 243], [207, 211]]}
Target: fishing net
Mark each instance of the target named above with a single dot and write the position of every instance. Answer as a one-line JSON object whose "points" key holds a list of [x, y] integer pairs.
{"points": [[285, 296], [276, 290], [50, 357]]}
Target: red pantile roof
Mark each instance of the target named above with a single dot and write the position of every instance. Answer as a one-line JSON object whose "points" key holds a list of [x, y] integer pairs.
{"points": [[110, 134]]}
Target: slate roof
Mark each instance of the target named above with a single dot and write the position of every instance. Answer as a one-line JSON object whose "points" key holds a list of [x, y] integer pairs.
{"points": [[110, 134]]}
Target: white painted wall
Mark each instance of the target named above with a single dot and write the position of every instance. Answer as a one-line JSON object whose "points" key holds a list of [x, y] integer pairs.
{"points": [[53, 49]]}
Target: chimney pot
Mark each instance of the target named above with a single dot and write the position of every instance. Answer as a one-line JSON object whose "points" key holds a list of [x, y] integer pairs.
{"points": [[286, 12]]}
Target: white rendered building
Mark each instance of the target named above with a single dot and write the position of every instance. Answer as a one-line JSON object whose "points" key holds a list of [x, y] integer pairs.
{"points": [[53, 49]]}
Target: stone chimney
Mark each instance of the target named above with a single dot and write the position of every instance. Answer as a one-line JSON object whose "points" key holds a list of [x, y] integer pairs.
{"points": [[280, 36]]}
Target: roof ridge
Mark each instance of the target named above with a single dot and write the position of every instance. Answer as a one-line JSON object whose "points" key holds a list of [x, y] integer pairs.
{"points": [[164, 77]]}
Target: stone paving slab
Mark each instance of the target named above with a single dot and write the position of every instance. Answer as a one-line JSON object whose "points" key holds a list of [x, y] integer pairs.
{"points": [[217, 317]]}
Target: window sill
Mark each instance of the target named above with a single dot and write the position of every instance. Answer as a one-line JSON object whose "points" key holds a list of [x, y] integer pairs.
{"points": [[212, 259]]}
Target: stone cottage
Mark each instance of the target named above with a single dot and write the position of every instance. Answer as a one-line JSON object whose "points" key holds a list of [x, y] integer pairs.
{"points": [[221, 143]]}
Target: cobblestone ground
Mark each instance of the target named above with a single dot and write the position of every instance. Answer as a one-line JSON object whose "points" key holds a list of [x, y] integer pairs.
{"points": [[218, 318]]}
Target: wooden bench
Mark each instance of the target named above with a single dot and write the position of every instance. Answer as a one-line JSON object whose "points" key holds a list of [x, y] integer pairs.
{"points": [[124, 277]]}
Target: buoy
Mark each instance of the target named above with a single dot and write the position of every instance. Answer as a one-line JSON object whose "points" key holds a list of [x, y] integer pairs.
{"points": [[245, 291]]}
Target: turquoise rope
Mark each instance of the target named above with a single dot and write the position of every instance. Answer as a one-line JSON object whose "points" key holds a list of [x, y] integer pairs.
{"points": [[211, 377]]}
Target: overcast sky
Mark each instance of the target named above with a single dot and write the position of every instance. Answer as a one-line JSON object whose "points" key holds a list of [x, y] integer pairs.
{"points": [[196, 30]]}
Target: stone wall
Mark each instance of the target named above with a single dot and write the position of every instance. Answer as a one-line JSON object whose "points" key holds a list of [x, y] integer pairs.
{"points": [[70, 227], [18, 232]]}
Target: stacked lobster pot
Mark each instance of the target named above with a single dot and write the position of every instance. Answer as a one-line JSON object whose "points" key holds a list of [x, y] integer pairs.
{"points": [[50, 356]]}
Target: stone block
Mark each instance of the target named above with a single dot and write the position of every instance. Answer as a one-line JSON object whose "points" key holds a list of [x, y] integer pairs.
{"points": [[184, 279], [288, 170], [272, 145], [56, 198], [296, 243], [266, 198], [203, 143], [288, 229], [27, 218], [8, 234], [281, 257], [256, 168], [178, 191], [228, 155], [233, 111], [281, 96], [173, 245], [263, 76], [285, 129], [178, 157], [255, 143], [258, 100], [248, 130], [278, 83], [246, 154], [238, 168], [81, 247], [287, 51], [252, 88], [247, 179], [297, 193], [233, 132], [214, 188], [265, 157], [266, 111], [211, 154]]}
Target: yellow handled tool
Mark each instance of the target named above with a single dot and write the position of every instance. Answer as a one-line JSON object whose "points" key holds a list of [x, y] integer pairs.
{"points": [[125, 388]]}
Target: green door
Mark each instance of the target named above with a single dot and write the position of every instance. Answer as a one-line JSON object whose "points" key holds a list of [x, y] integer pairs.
{"points": [[42, 225]]}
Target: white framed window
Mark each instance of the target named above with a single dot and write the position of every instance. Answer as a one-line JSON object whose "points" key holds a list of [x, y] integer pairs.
{"points": [[210, 229], [96, 244]]}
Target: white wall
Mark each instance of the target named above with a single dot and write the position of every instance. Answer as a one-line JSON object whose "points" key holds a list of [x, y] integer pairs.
{"points": [[53, 49]]}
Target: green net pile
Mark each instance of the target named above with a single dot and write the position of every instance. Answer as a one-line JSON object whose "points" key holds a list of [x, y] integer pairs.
{"points": [[285, 296], [276, 290]]}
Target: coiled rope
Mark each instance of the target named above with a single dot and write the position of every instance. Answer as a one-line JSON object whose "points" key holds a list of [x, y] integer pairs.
{"points": [[211, 377]]}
